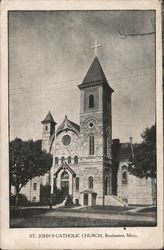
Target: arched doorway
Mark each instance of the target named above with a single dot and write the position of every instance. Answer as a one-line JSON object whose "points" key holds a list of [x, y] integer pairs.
{"points": [[65, 183]]}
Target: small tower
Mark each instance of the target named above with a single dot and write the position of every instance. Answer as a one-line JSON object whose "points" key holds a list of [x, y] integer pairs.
{"points": [[48, 131]]}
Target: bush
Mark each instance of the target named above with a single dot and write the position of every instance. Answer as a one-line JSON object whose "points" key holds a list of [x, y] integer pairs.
{"points": [[69, 201], [57, 198], [22, 200]]}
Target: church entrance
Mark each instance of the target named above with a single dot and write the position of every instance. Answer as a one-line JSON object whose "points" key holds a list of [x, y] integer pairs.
{"points": [[65, 183]]}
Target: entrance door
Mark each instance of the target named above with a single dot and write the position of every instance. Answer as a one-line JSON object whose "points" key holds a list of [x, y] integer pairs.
{"points": [[65, 183], [85, 199], [93, 199], [65, 187]]}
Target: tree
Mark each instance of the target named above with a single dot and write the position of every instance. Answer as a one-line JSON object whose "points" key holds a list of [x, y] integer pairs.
{"points": [[143, 163], [134, 33], [26, 161]]}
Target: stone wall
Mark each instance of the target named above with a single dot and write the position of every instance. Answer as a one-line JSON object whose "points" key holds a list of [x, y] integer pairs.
{"points": [[28, 190], [138, 191], [66, 151]]}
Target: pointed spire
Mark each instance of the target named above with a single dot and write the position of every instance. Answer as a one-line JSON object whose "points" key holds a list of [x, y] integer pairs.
{"points": [[48, 118], [95, 75], [95, 72]]}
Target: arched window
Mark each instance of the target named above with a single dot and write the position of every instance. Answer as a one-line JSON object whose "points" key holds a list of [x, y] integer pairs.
{"points": [[124, 178], [90, 182], [124, 168], [34, 199], [46, 128], [77, 183], [69, 159], [56, 160], [64, 175], [62, 160], [91, 145], [76, 159], [91, 101]]}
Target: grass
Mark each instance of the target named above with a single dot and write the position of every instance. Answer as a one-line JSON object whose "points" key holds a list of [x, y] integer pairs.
{"points": [[97, 209], [53, 222], [36, 218], [106, 209], [26, 212]]}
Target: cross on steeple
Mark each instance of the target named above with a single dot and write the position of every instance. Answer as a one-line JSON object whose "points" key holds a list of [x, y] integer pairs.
{"points": [[96, 46]]}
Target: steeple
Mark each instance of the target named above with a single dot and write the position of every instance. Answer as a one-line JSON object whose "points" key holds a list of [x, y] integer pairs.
{"points": [[48, 119], [95, 76]]}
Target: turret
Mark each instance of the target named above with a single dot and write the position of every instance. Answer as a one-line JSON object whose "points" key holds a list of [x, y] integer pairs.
{"points": [[48, 131]]}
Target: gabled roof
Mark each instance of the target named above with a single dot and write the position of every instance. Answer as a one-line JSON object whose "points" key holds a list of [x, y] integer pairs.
{"points": [[122, 151], [125, 152], [95, 74], [68, 125], [65, 166], [48, 118]]}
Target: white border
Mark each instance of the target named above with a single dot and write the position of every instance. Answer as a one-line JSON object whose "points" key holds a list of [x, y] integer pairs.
{"points": [[148, 237]]}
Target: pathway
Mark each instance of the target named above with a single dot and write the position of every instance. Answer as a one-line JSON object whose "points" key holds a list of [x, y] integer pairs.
{"points": [[138, 209]]}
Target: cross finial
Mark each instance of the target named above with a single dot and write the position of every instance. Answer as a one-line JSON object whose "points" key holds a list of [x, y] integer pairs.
{"points": [[96, 46]]}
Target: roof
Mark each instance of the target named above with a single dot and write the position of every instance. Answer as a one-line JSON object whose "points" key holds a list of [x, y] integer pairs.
{"points": [[122, 151], [65, 166], [95, 74], [125, 152], [48, 118], [68, 125]]}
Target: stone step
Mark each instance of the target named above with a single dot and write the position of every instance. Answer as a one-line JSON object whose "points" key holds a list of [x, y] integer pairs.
{"points": [[112, 200]]}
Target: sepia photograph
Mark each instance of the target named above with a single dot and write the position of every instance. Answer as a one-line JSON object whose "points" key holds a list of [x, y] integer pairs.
{"points": [[82, 118]]}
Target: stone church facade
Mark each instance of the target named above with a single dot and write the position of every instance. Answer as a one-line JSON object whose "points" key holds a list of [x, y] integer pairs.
{"points": [[87, 164]]}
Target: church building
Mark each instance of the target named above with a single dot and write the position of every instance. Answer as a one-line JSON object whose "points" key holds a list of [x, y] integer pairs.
{"points": [[88, 164]]}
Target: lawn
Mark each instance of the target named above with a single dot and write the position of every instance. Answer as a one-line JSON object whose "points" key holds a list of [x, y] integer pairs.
{"points": [[26, 212], [23, 213], [53, 222], [105, 209], [97, 209], [42, 217]]}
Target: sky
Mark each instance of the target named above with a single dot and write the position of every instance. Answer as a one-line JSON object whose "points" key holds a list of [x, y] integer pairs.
{"points": [[50, 53]]}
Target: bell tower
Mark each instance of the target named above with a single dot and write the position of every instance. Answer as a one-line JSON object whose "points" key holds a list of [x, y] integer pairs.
{"points": [[48, 131], [96, 132], [95, 113]]}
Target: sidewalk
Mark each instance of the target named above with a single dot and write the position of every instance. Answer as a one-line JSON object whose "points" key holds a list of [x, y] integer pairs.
{"points": [[138, 209]]}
